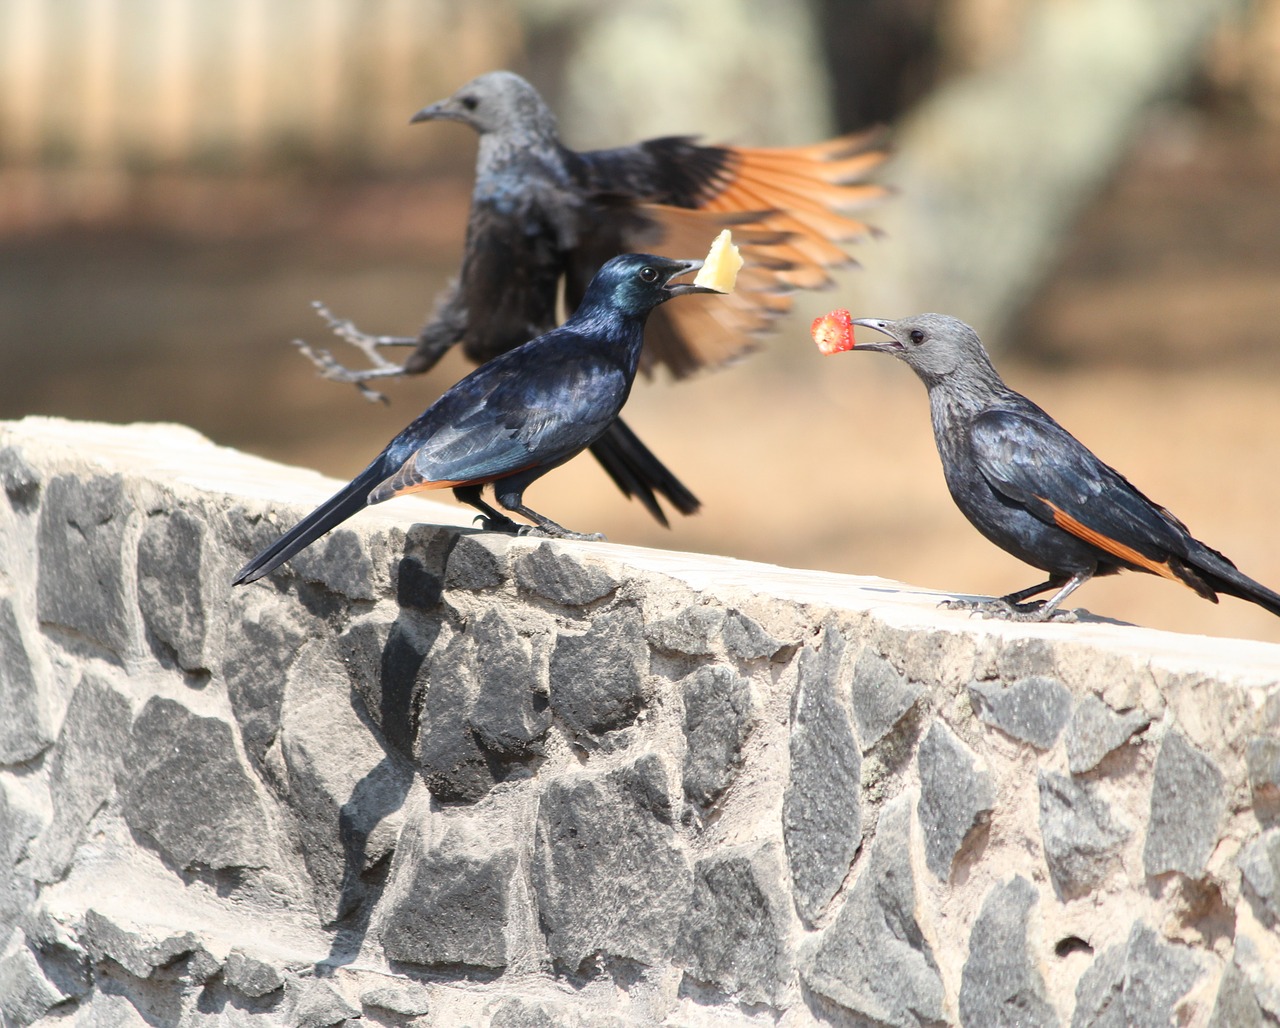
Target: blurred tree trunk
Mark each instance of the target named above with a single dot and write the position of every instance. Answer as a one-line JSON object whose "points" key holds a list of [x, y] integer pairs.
{"points": [[994, 167]]}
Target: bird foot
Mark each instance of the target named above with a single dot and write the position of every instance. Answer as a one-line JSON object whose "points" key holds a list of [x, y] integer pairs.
{"points": [[1003, 610], [335, 372], [546, 532], [499, 524], [367, 344]]}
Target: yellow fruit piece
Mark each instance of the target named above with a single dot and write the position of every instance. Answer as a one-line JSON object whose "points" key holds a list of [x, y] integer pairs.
{"points": [[720, 270]]}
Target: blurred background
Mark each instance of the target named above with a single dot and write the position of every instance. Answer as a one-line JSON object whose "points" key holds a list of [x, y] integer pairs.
{"points": [[1094, 184]]}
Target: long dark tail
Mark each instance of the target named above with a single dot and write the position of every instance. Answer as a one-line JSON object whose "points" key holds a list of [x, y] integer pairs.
{"points": [[1222, 576], [335, 510], [637, 472]]}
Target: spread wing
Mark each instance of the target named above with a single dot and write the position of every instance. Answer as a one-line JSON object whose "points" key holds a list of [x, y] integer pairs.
{"points": [[788, 208], [1031, 459]]}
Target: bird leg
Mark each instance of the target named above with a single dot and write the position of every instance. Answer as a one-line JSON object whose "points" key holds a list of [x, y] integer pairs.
{"points": [[1012, 607], [511, 495], [490, 520], [345, 330]]}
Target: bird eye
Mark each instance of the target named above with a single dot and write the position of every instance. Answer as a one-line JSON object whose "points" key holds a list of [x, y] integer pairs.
{"points": [[469, 102], [648, 274], [916, 336]]}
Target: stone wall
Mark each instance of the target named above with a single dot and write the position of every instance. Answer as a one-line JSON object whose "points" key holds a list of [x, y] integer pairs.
{"points": [[432, 776]]}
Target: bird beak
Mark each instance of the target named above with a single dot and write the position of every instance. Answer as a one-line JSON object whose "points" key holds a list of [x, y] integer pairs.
{"points": [[438, 111], [685, 288], [880, 325]]}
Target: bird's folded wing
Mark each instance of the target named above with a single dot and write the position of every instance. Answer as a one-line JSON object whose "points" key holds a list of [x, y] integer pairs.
{"points": [[1033, 461]]}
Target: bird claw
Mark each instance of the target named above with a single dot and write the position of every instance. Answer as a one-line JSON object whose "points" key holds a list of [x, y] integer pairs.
{"points": [[498, 524], [1003, 610], [542, 532], [365, 343]]}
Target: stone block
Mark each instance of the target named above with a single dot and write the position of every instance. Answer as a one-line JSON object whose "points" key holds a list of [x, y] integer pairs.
{"points": [[173, 576], [315, 1003], [1033, 709], [554, 573], [86, 759], [1235, 1006], [1188, 801], [874, 959], [453, 762], [1082, 840], [735, 935], [82, 583], [510, 712], [26, 995], [185, 789], [19, 824], [406, 1001], [746, 639], [449, 897], [1001, 985], [598, 677], [20, 480], [822, 806], [264, 637], [694, 632], [882, 696], [478, 561], [956, 795], [1259, 864], [518, 1012], [609, 876], [26, 729], [1096, 730], [719, 715], [139, 949], [1135, 984], [250, 976]]}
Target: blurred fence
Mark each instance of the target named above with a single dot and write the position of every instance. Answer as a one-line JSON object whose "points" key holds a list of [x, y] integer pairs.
{"points": [[137, 85]]}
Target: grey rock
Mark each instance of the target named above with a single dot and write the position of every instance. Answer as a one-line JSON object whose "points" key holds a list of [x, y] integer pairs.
{"points": [[517, 1012], [1257, 964], [448, 900], [609, 876], [405, 1001], [882, 696], [1082, 840], [1096, 730], [1260, 867], [1135, 984], [86, 759], [598, 678], [20, 481], [956, 794], [694, 632], [1033, 709], [26, 729], [386, 666], [171, 579], [555, 574], [185, 788], [745, 639], [263, 640], [345, 789], [1262, 758], [821, 807], [510, 713], [81, 585], [340, 563], [874, 959], [1188, 800], [26, 995], [1236, 1006], [18, 826], [478, 561], [735, 934], [453, 762], [1000, 986], [718, 718], [139, 950], [250, 976], [315, 1003]]}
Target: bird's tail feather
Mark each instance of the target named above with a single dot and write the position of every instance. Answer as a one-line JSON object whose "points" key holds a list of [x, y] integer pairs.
{"points": [[637, 472], [335, 510], [1230, 581]]}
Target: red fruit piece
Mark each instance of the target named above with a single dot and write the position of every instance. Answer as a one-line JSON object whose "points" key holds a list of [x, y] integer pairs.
{"points": [[834, 332]]}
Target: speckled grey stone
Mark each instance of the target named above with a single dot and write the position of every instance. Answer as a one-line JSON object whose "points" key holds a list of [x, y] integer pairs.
{"points": [[1001, 986], [554, 573], [1033, 709], [1236, 1006], [315, 1003], [874, 960], [1135, 984], [882, 696], [1187, 805], [822, 806], [1082, 840], [745, 639], [250, 976], [452, 760], [26, 727], [407, 1001], [510, 713], [1260, 867], [598, 677], [171, 578], [718, 718], [26, 995], [694, 632], [956, 794], [478, 561], [1096, 730]]}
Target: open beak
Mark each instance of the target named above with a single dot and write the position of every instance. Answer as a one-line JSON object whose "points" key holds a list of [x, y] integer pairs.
{"points": [[882, 326], [684, 288]]}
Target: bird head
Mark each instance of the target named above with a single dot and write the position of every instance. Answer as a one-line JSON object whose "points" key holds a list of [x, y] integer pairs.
{"points": [[498, 101], [635, 283], [934, 345]]}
